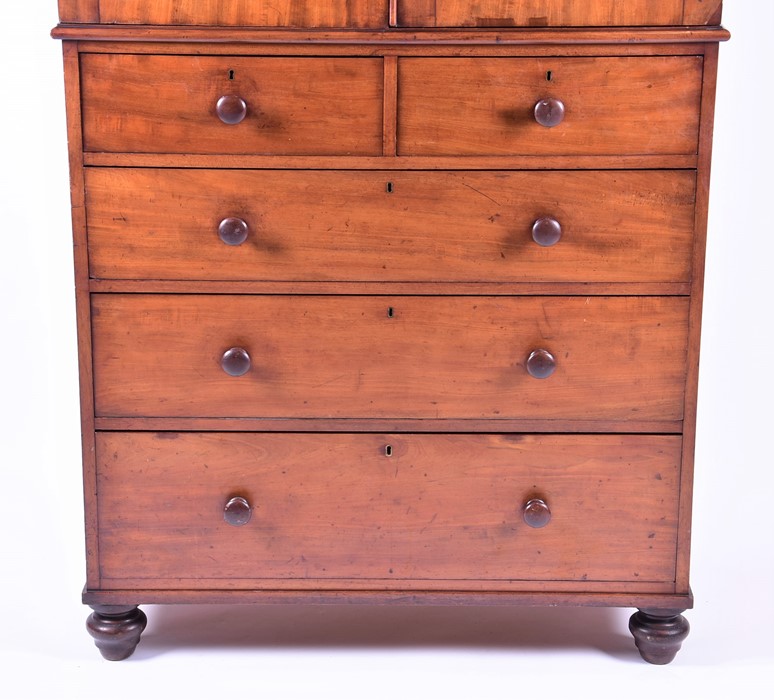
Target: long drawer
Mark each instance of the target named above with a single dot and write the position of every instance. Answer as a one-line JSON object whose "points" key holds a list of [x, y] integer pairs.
{"points": [[279, 106], [489, 106], [607, 358], [398, 511], [605, 226]]}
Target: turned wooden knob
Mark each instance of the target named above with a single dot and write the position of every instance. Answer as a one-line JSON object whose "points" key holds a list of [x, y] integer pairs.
{"points": [[236, 362], [237, 511], [536, 513], [549, 112], [231, 109], [546, 231], [541, 364], [233, 231]]}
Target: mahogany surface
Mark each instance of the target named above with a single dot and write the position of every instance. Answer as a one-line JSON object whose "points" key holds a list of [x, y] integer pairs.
{"points": [[389, 301]]}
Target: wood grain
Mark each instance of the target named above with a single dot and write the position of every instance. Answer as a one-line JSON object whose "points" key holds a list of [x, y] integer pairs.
{"points": [[703, 12], [628, 226], [79, 10], [614, 106], [245, 13], [166, 104], [345, 357], [538, 13], [335, 507]]}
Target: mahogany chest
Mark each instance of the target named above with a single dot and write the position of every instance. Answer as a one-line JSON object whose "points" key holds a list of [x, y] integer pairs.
{"points": [[389, 301]]}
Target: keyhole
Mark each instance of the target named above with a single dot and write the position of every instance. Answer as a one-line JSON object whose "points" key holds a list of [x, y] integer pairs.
{"points": [[231, 75], [388, 450], [549, 76], [389, 187], [390, 312]]}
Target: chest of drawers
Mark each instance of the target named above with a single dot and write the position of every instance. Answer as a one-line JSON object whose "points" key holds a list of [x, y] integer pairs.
{"points": [[389, 301]]}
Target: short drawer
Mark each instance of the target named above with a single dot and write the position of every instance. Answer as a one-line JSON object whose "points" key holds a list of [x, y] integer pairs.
{"points": [[232, 104], [607, 358], [580, 226], [247, 13], [392, 511], [491, 106]]}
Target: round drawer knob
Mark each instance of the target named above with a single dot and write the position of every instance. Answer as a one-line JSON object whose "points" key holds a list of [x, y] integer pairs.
{"points": [[236, 362], [546, 231], [537, 513], [237, 511], [549, 112], [541, 364], [231, 109], [233, 231]]}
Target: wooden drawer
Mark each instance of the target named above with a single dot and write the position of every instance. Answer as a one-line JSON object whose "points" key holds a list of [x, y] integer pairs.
{"points": [[617, 358], [555, 13], [616, 226], [294, 106], [246, 13], [442, 511], [613, 106]]}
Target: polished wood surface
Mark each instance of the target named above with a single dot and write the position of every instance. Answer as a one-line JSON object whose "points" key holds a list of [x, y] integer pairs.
{"points": [[537, 13], [441, 507], [613, 105], [389, 226], [256, 13], [167, 104], [345, 357], [419, 305]]}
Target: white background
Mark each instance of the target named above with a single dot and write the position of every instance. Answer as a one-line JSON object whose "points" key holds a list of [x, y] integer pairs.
{"points": [[339, 652]]}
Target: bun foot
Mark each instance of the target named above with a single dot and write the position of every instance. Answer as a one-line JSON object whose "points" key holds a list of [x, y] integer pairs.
{"points": [[116, 630], [658, 634]]}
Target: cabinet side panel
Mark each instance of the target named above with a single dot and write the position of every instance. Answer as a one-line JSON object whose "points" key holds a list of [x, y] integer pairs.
{"points": [[79, 10], [80, 254], [702, 12], [694, 321]]}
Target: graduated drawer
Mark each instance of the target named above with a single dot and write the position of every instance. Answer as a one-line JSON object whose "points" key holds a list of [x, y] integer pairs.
{"points": [[172, 104], [413, 511], [614, 226], [487, 106], [614, 358]]}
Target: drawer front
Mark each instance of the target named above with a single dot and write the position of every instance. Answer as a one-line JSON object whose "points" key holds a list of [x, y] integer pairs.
{"points": [[444, 508], [292, 106], [247, 13], [539, 13], [614, 226], [613, 106], [617, 358]]}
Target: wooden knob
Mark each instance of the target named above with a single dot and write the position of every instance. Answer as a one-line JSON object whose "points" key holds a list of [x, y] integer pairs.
{"points": [[549, 112], [233, 231], [231, 109], [236, 362], [536, 513], [541, 364], [546, 231], [237, 511]]}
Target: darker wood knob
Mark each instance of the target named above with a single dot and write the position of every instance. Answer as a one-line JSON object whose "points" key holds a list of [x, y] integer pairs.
{"points": [[236, 362], [549, 112], [546, 231], [231, 109], [233, 231], [237, 511], [541, 364], [536, 513]]}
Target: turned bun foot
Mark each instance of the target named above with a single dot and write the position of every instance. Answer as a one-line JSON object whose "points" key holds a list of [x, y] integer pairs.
{"points": [[116, 629], [658, 634]]}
